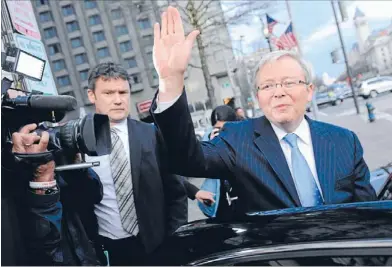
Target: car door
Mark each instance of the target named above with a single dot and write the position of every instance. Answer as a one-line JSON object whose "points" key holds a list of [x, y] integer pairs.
{"points": [[377, 252]]}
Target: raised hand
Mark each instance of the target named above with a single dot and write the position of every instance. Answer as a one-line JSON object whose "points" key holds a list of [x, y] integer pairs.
{"points": [[171, 53]]}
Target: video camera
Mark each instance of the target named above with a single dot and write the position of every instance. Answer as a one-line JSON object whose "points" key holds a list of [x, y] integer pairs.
{"points": [[88, 135]]}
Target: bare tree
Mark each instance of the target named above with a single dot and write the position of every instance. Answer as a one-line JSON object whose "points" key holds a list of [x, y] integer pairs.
{"points": [[209, 17]]}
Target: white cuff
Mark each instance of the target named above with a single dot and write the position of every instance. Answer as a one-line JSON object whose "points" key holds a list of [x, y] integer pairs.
{"points": [[162, 106]]}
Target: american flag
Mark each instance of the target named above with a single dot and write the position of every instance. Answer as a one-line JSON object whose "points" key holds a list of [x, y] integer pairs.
{"points": [[287, 40], [271, 23]]}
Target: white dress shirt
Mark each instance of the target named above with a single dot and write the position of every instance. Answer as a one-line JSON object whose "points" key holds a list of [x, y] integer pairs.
{"points": [[305, 145], [107, 212]]}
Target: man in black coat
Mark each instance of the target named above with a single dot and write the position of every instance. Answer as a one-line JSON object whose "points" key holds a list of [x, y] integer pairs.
{"points": [[142, 202]]}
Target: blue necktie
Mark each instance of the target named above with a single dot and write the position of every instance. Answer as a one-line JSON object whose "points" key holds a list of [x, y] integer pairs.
{"points": [[307, 189]]}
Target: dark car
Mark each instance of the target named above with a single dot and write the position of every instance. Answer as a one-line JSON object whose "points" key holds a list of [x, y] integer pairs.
{"points": [[333, 235]]}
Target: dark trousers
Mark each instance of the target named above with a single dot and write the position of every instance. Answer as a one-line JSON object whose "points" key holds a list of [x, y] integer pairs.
{"points": [[126, 251]]}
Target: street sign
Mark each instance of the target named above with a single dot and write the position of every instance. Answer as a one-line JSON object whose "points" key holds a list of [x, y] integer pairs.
{"points": [[144, 106], [23, 18], [36, 48]]}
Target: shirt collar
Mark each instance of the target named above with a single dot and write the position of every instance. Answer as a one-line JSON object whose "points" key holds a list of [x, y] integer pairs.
{"points": [[302, 131], [122, 126]]}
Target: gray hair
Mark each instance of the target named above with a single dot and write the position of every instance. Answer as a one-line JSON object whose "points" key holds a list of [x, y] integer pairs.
{"points": [[275, 55], [107, 70]]}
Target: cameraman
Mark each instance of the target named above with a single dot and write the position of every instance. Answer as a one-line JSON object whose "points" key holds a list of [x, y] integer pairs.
{"points": [[58, 228]]}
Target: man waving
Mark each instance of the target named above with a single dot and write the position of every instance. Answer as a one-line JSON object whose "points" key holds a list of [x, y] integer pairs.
{"points": [[283, 159]]}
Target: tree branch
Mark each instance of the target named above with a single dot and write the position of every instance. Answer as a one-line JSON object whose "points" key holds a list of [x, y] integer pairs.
{"points": [[204, 10]]}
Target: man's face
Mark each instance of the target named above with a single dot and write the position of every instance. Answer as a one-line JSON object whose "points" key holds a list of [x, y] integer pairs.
{"points": [[111, 97], [283, 105], [240, 113]]}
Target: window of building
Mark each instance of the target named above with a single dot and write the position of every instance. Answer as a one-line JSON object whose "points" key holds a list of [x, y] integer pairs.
{"points": [[149, 57], [72, 26], [83, 75], [80, 58], [94, 20], [125, 46], [54, 49], [64, 80], [59, 65], [39, 3], [45, 16], [148, 40], [116, 13], [50, 32], [68, 10], [88, 4], [121, 30], [144, 23], [130, 62], [136, 78], [76, 42], [98, 36], [103, 52]]}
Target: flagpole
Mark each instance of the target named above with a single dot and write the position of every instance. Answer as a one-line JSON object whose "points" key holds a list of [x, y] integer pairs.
{"points": [[292, 25]]}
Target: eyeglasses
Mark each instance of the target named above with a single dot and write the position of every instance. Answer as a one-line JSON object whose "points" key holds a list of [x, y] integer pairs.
{"points": [[288, 84]]}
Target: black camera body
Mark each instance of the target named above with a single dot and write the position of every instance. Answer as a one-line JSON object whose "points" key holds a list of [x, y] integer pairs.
{"points": [[88, 135]]}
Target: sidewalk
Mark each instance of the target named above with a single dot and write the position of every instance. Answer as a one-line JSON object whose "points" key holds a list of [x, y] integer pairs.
{"points": [[376, 137]]}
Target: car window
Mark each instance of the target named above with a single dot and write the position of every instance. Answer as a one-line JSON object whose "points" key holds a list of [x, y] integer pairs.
{"points": [[324, 261]]}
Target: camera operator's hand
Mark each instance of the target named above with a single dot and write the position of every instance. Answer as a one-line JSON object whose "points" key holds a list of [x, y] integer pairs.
{"points": [[26, 141]]}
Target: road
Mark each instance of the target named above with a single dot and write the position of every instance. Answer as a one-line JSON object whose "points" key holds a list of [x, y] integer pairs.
{"points": [[376, 137]]}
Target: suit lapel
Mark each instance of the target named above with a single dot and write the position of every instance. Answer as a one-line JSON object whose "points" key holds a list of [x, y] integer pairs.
{"points": [[325, 158], [269, 145], [135, 154]]}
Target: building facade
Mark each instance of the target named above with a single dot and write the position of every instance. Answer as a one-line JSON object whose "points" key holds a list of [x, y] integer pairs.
{"points": [[78, 34], [372, 54]]}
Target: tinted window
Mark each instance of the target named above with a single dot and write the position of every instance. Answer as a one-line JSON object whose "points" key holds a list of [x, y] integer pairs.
{"points": [[64, 80], [130, 62], [121, 30], [94, 20], [45, 16], [125, 46], [68, 10], [103, 52], [50, 32], [58, 65], [39, 3], [98, 36], [90, 4], [76, 42], [54, 49], [135, 79], [80, 59], [144, 23], [116, 13], [72, 26], [83, 75]]}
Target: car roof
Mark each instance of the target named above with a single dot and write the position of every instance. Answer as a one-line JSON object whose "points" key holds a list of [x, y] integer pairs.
{"points": [[354, 221]]}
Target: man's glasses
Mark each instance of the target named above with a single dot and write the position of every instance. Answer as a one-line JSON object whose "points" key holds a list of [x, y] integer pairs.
{"points": [[288, 84]]}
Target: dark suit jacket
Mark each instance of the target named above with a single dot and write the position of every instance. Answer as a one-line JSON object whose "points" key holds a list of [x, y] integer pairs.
{"points": [[160, 198], [249, 155]]}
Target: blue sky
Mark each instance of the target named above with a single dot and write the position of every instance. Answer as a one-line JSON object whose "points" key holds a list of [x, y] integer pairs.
{"points": [[316, 29]]}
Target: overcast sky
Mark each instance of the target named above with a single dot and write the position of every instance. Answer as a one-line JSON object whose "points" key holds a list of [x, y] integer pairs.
{"points": [[316, 29]]}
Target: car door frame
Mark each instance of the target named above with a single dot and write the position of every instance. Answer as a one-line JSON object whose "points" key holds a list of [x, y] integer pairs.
{"points": [[338, 248]]}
